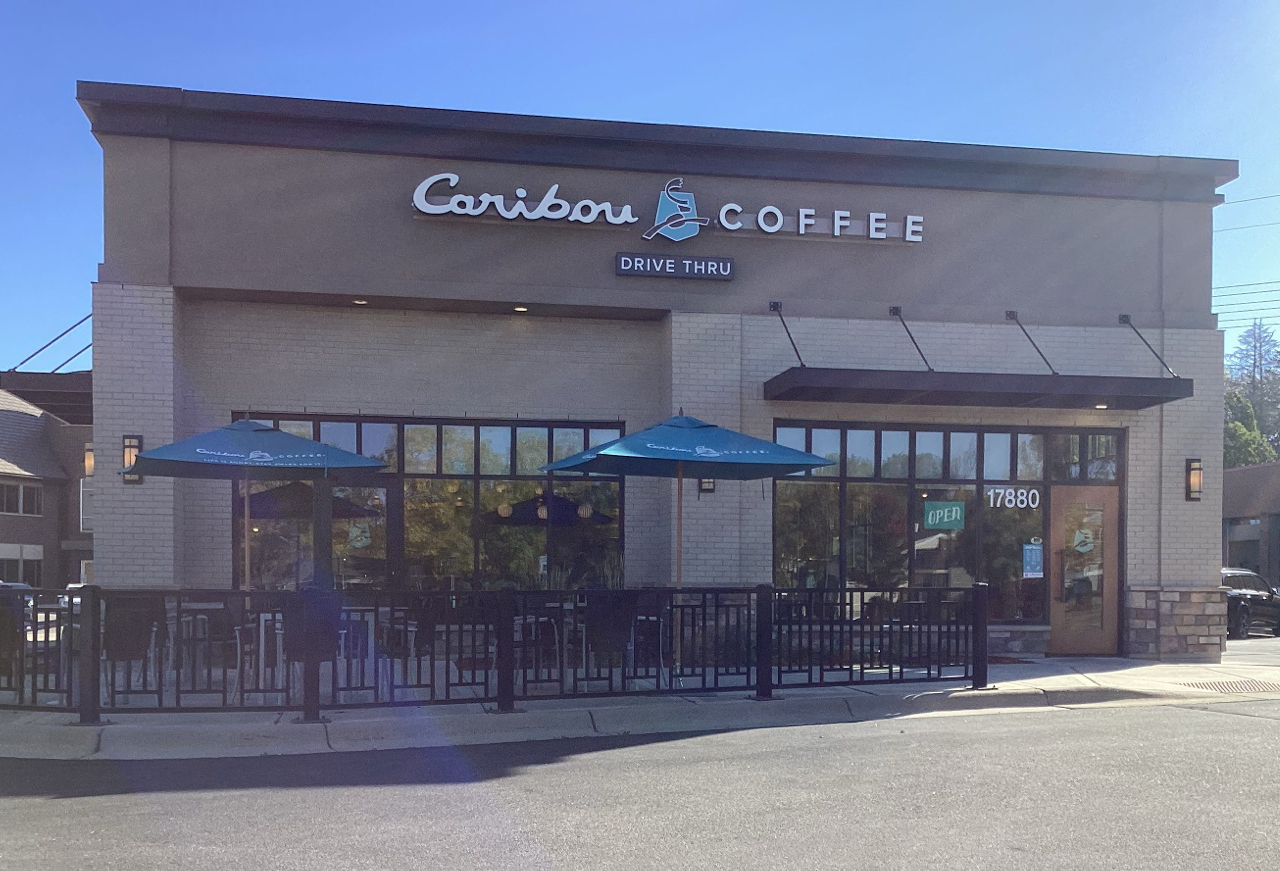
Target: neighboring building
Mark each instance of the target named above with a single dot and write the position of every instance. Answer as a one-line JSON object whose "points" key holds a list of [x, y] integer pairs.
{"points": [[467, 296], [46, 495], [1251, 519]]}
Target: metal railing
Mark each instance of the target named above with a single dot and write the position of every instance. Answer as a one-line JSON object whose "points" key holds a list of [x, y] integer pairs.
{"points": [[163, 650]]}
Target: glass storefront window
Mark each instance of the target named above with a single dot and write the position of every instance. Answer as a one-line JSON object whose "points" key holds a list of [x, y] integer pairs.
{"points": [[438, 547], [603, 436], [1064, 457], [964, 455], [513, 535], [495, 450], [875, 536], [1030, 456], [928, 455], [381, 442], [826, 444], [945, 537], [302, 428], [791, 437], [806, 538], [894, 453], [531, 449], [565, 443], [360, 538], [457, 449], [1101, 458], [420, 449], [1013, 522], [585, 536], [340, 435], [860, 453], [997, 448]]}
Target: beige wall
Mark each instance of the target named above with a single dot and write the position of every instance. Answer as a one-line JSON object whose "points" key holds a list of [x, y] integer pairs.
{"points": [[311, 221]]}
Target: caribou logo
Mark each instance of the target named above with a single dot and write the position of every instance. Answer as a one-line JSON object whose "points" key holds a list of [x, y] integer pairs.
{"points": [[677, 217]]}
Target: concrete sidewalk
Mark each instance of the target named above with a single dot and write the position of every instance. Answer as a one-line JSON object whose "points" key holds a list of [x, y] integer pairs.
{"points": [[1040, 683]]}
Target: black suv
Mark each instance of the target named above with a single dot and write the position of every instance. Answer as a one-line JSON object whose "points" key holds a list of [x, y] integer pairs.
{"points": [[1251, 602]]}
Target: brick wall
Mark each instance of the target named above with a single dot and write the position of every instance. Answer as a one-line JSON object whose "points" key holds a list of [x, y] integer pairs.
{"points": [[137, 529]]}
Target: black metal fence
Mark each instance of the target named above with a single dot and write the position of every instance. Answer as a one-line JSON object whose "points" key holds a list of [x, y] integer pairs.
{"points": [[102, 650]]}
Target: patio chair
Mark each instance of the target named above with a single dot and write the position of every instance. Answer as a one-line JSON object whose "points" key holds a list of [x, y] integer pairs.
{"points": [[132, 647]]}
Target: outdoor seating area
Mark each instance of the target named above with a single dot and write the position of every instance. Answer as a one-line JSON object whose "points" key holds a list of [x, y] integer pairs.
{"points": [[202, 650]]}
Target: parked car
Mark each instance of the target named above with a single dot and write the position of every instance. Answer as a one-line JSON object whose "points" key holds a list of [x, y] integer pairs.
{"points": [[28, 608], [1252, 603]]}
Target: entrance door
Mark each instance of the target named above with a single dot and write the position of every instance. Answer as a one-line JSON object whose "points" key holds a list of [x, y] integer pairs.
{"points": [[1084, 571]]}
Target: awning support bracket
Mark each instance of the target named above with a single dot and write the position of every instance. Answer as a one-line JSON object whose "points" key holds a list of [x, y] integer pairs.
{"points": [[1011, 315], [895, 311], [777, 307], [1128, 322]]}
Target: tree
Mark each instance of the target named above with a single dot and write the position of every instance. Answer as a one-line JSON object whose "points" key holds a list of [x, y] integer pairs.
{"points": [[1253, 376], [1242, 443]]}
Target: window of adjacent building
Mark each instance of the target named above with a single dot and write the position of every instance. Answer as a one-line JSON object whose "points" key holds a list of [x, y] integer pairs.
{"points": [[25, 499], [86, 505], [22, 571]]}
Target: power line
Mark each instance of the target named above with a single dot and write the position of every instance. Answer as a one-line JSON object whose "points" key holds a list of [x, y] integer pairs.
{"points": [[1249, 292], [56, 338], [1250, 200], [1248, 227], [1247, 284], [1245, 302]]}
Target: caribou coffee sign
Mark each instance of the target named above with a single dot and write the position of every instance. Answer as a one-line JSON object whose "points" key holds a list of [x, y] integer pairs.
{"points": [[675, 219]]}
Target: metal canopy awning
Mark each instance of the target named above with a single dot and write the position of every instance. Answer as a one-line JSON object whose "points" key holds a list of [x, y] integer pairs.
{"points": [[973, 389]]}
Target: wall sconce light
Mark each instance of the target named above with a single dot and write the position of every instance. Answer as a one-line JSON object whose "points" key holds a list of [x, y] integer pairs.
{"points": [[88, 459], [132, 446], [1195, 479], [585, 512], [706, 485], [542, 512]]}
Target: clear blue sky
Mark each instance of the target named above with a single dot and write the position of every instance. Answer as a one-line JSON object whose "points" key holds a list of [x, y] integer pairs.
{"points": [[1183, 77]]}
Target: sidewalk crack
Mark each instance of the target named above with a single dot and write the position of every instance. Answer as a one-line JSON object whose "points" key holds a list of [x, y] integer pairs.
{"points": [[327, 742], [594, 726]]}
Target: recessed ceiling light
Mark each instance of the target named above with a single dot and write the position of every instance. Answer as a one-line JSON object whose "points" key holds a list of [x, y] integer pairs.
{"points": [[521, 308], [360, 302]]}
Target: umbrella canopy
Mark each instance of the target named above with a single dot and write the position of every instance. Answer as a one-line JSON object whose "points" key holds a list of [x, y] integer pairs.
{"points": [[248, 449], [559, 511], [293, 502], [686, 447]]}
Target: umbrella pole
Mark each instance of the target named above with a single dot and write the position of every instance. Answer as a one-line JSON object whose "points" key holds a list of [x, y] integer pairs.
{"points": [[679, 564], [244, 581], [679, 524]]}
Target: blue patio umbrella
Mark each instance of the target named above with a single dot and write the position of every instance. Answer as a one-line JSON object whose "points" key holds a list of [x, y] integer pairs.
{"points": [[685, 447], [247, 450]]}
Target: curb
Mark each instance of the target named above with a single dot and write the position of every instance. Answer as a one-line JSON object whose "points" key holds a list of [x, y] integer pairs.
{"points": [[158, 737]]}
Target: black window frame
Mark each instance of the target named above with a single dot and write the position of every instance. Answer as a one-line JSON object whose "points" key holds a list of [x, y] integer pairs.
{"points": [[394, 479], [1045, 482]]}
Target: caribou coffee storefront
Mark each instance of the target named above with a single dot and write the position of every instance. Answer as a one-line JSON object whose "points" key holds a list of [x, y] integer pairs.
{"points": [[1008, 354]]}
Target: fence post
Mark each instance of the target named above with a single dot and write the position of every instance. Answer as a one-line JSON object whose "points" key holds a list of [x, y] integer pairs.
{"points": [[979, 636], [506, 653], [764, 642], [311, 641], [90, 653]]}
